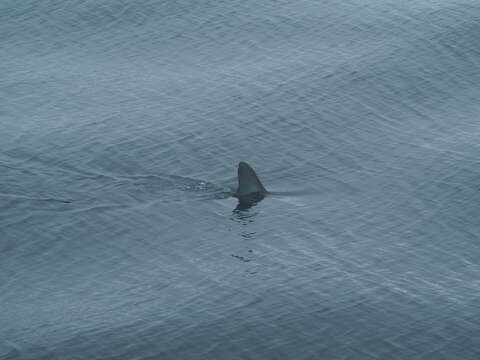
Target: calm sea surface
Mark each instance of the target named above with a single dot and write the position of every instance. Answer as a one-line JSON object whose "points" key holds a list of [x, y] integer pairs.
{"points": [[121, 127]]}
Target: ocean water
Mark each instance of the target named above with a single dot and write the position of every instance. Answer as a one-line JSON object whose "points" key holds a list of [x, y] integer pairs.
{"points": [[121, 127]]}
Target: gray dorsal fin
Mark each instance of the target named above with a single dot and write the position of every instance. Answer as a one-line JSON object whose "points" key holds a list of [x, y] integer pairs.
{"points": [[248, 182]]}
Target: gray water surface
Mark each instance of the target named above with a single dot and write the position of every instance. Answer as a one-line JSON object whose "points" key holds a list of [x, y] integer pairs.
{"points": [[121, 126]]}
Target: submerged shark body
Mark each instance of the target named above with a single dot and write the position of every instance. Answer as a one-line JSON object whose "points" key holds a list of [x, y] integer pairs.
{"points": [[250, 190]]}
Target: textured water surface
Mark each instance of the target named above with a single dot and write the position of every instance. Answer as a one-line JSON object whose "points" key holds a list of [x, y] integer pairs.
{"points": [[121, 126]]}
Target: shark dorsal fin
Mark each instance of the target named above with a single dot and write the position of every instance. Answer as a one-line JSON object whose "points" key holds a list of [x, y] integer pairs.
{"points": [[248, 182]]}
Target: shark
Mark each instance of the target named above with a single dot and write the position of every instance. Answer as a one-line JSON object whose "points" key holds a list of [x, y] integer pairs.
{"points": [[250, 190]]}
